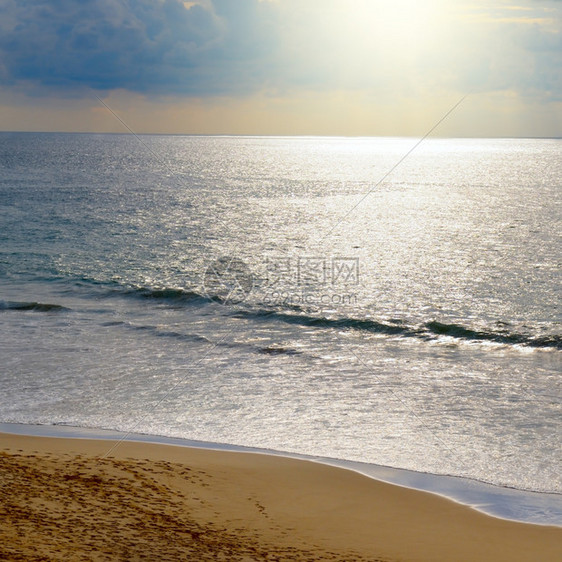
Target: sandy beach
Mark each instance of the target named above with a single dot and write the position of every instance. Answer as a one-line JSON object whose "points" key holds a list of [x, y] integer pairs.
{"points": [[68, 499]]}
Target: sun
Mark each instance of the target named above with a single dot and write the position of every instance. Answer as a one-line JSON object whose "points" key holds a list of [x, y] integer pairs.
{"points": [[403, 19], [396, 27]]}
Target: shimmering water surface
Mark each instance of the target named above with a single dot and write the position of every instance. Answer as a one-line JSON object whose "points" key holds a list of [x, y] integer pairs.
{"points": [[243, 290]]}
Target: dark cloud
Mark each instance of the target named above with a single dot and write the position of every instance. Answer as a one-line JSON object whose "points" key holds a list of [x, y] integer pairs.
{"points": [[147, 46]]}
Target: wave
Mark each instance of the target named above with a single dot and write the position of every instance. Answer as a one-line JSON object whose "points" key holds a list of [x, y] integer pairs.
{"points": [[164, 294], [33, 306], [457, 331], [431, 330], [113, 288], [160, 332], [278, 350]]}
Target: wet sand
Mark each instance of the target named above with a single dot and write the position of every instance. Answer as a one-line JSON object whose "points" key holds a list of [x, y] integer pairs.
{"points": [[66, 499]]}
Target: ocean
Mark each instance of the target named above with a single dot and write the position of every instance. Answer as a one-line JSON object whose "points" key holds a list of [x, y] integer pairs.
{"points": [[273, 292]]}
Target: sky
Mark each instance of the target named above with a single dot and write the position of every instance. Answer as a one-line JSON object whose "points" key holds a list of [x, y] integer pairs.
{"points": [[282, 67]]}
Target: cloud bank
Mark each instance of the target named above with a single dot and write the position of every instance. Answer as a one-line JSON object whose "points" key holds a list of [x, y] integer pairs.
{"points": [[147, 46], [238, 47]]}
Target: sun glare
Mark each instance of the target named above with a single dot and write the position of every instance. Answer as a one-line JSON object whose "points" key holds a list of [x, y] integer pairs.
{"points": [[397, 27]]}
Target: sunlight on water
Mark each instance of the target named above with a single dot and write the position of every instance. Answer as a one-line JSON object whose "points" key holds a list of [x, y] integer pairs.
{"points": [[243, 290]]}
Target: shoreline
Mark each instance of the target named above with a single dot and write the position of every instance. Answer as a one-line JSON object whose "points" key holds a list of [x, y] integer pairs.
{"points": [[509, 504], [64, 498]]}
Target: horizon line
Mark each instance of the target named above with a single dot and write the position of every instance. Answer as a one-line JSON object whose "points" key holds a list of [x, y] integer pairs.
{"points": [[274, 135]]}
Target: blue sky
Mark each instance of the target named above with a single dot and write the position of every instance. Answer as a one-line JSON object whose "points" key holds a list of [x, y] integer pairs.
{"points": [[282, 66]]}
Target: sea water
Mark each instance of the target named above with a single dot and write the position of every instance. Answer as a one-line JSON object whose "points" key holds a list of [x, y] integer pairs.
{"points": [[275, 293]]}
